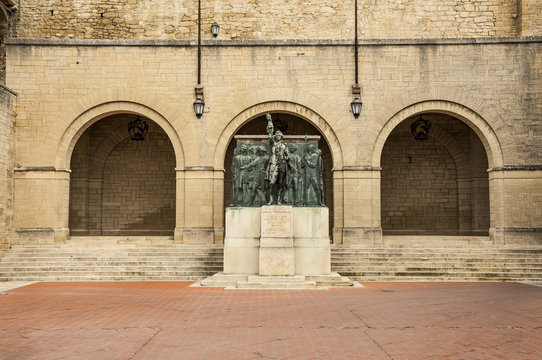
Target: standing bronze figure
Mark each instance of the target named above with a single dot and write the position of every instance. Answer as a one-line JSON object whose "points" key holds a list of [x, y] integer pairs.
{"points": [[278, 163], [313, 165], [239, 176]]}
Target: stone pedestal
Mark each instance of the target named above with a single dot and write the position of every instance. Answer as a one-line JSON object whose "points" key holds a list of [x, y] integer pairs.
{"points": [[311, 241], [280, 247], [242, 241], [277, 255]]}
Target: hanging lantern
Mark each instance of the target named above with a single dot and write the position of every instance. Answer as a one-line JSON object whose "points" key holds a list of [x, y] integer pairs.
{"points": [[199, 105], [214, 29], [356, 107]]}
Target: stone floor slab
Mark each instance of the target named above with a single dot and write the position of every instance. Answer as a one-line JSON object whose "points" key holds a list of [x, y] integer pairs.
{"points": [[170, 320]]}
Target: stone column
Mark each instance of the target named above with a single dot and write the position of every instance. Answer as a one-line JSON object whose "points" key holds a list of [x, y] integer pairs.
{"points": [[198, 205], [361, 199], [179, 205], [41, 204], [522, 214], [338, 206], [496, 206], [218, 206]]}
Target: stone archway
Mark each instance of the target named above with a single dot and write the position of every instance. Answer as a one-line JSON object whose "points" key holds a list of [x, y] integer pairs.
{"points": [[120, 186], [437, 186], [482, 129], [73, 133], [484, 135], [303, 121]]}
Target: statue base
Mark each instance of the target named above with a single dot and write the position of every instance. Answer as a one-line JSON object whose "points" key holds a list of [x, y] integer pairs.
{"points": [[277, 247]]}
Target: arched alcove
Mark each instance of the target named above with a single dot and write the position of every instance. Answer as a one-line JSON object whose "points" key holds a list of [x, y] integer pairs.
{"points": [[121, 186], [437, 186], [289, 124]]}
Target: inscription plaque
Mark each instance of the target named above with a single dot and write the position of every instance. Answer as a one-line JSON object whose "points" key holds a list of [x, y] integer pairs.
{"points": [[276, 222]]}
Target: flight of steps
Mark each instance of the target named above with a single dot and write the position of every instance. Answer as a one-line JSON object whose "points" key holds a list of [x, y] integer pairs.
{"points": [[438, 264], [159, 258], [111, 258]]}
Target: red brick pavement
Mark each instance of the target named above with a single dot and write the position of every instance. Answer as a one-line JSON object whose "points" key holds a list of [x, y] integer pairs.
{"points": [[169, 320]]}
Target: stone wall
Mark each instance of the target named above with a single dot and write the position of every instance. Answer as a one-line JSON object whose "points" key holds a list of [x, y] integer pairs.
{"points": [[272, 19], [4, 32], [2, 61], [499, 81], [7, 146], [492, 86], [530, 19]]}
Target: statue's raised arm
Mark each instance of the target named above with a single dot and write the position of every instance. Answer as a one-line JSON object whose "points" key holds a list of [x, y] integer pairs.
{"points": [[270, 126]]}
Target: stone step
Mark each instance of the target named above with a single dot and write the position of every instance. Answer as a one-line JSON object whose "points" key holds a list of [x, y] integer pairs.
{"points": [[150, 250], [434, 259], [131, 252], [382, 278], [494, 248], [109, 257], [115, 273], [103, 278], [275, 282], [53, 266], [113, 264], [432, 273], [477, 265], [335, 250], [333, 279], [399, 267], [276, 285], [432, 255], [222, 280], [112, 259]]}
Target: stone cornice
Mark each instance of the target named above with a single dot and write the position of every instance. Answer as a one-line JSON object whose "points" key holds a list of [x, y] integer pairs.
{"points": [[518, 168], [274, 43]]}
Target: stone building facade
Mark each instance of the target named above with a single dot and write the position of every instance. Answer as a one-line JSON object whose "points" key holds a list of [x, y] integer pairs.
{"points": [[80, 71]]}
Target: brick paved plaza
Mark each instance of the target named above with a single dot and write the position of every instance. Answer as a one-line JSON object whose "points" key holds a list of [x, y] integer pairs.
{"points": [[170, 320]]}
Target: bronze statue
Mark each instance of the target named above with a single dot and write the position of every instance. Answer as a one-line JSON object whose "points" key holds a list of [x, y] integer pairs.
{"points": [[256, 168], [277, 172], [240, 176], [293, 176], [278, 163], [312, 163]]}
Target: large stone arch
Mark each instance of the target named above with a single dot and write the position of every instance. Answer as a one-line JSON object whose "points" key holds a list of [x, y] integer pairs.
{"points": [[298, 110], [471, 118], [89, 111], [474, 121], [275, 106], [82, 122], [119, 186]]}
